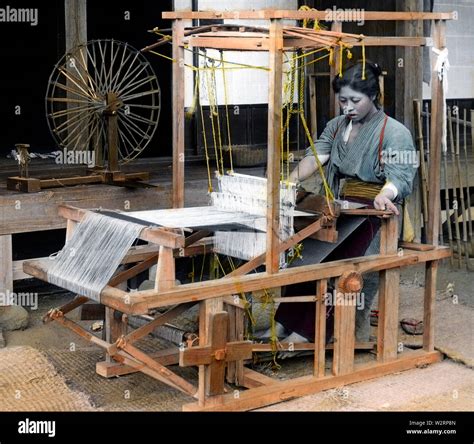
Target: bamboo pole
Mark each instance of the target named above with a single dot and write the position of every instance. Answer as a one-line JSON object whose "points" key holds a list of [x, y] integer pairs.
{"points": [[457, 233], [461, 196], [421, 147], [446, 203]]}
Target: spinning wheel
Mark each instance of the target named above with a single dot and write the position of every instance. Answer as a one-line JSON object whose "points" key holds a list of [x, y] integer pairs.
{"points": [[104, 97]]}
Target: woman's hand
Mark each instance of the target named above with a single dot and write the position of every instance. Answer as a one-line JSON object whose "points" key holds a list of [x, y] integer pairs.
{"points": [[383, 202]]}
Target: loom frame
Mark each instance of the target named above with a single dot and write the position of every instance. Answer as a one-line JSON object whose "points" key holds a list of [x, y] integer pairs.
{"points": [[221, 342]]}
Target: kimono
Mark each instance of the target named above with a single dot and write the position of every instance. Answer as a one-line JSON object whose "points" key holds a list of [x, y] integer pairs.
{"points": [[381, 152]]}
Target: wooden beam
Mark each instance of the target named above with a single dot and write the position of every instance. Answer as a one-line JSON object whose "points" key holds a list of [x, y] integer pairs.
{"points": [[320, 330], [389, 294], [306, 385], [431, 273], [433, 226], [166, 270], [333, 72], [141, 301], [293, 43], [274, 145], [134, 271], [6, 264], [163, 374], [437, 100], [114, 328], [206, 311], [301, 15], [344, 333], [253, 379], [258, 281], [160, 236], [286, 245], [178, 115], [114, 369], [66, 308], [76, 23]]}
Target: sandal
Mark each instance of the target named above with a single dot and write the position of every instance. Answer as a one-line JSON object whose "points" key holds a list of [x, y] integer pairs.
{"points": [[374, 318], [412, 326]]}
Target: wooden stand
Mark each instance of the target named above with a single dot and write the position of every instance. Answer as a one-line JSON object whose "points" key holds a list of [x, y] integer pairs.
{"points": [[110, 175], [221, 343]]}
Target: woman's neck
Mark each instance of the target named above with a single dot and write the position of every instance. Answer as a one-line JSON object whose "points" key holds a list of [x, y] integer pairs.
{"points": [[369, 115]]}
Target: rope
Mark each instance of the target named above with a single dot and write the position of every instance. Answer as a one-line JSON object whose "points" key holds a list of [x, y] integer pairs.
{"points": [[229, 141], [209, 177]]}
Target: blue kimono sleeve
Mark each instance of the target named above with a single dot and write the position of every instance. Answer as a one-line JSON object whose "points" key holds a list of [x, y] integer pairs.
{"points": [[400, 158], [324, 144]]}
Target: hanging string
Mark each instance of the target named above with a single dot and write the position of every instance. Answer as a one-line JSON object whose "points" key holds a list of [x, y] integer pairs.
{"points": [[216, 115], [211, 116], [229, 141], [204, 137], [363, 62]]}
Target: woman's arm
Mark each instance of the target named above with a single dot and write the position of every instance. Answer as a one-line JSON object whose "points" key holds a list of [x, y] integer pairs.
{"points": [[306, 167]]}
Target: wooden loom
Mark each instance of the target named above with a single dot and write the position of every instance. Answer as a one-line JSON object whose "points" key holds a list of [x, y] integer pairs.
{"points": [[222, 351]]}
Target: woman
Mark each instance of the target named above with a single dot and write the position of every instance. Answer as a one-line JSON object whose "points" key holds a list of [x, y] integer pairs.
{"points": [[366, 154]]}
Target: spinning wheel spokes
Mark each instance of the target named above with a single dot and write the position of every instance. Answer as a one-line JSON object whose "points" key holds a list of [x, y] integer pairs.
{"points": [[99, 87]]}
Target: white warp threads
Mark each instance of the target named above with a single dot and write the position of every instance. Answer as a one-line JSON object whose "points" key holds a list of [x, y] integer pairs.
{"points": [[248, 194], [92, 255]]}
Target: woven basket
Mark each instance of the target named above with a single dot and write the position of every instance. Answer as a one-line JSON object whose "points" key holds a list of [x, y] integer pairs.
{"points": [[246, 155]]}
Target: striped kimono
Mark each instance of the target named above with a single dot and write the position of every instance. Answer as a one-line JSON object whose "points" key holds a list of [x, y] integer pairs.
{"points": [[381, 152]]}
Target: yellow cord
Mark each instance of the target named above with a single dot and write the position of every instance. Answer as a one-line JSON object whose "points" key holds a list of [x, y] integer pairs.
{"points": [[229, 141], [206, 149], [363, 62]]}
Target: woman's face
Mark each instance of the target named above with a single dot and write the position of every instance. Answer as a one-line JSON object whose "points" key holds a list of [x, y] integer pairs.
{"points": [[354, 104]]}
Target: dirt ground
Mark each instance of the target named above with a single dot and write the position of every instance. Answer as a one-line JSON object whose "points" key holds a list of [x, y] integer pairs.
{"points": [[47, 362]]}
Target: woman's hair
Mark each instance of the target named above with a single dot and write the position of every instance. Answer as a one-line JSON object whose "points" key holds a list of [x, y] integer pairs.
{"points": [[353, 78]]}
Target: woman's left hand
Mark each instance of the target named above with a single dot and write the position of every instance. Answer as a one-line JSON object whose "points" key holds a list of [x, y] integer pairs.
{"points": [[383, 202]]}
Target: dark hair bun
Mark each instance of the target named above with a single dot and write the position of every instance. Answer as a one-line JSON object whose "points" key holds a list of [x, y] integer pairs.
{"points": [[376, 69]]}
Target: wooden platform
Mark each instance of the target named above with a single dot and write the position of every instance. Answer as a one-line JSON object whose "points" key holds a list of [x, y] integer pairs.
{"points": [[35, 212]]}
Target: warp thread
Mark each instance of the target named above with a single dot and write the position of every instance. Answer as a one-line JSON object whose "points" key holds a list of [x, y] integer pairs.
{"points": [[248, 194], [92, 255]]}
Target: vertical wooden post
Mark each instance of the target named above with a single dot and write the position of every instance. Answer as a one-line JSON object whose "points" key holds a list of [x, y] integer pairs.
{"points": [[313, 108], [409, 85], [235, 369], [75, 23], [6, 264], [70, 227], [206, 309], [274, 144], [344, 332], [165, 270], [389, 294], [433, 226], [114, 328], [320, 331], [75, 16], [178, 115], [333, 72]]}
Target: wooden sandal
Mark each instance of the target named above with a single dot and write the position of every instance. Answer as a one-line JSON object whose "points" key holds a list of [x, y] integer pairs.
{"points": [[412, 326]]}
